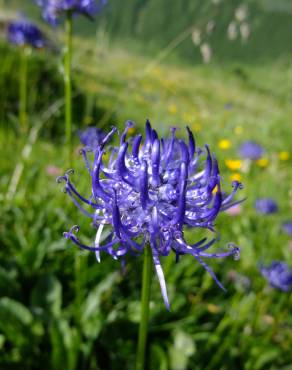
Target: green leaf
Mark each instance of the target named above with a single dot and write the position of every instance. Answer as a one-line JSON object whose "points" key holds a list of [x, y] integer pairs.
{"points": [[2, 341], [91, 319], [47, 294], [182, 348], [267, 358], [65, 345], [15, 310], [16, 321], [158, 358], [8, 281], [134, 311]]}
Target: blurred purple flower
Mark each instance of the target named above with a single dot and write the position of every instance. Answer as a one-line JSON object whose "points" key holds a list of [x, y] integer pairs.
{"points": [[22, 33], [148, 194], [287, 227], [251, 150], [278, 274], [266, 206], [52, 9], [91, 137]]}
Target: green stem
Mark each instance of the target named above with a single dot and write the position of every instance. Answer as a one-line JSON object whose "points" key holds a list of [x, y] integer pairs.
{"points": [[23, 89], [68, 82], [145, 295]]}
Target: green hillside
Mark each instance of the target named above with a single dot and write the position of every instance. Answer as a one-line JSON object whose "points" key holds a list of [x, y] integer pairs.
{"points": [[155, 23]]}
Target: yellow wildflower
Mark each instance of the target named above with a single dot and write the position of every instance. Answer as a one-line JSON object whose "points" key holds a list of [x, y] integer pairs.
{"points": [[188, 117], [131, 130], [262, 162], [238, 130], [105, 156], [284, 156], [235, 177], [233, 164], [215, 190], [172, 109], [88, 120], [212, 308], [196, 127], [224, 144]]}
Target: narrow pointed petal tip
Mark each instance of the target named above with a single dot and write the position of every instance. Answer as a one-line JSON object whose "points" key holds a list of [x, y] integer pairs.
{"points": [[162, 283], [149, 191]]}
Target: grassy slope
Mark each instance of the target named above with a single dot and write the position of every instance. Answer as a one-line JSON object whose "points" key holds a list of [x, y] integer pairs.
{"points": [[247, 328], [155, 23]]}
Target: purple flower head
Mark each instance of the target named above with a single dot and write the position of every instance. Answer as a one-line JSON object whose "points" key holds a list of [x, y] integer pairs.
{"points": [[23, 32], [278, 274], [91, 137], [148, 192], [266, 206], [53, 9], [287, 227], [251, 150]]}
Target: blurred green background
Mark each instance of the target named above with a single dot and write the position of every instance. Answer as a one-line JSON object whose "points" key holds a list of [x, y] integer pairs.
{"points": [[225, 69]]}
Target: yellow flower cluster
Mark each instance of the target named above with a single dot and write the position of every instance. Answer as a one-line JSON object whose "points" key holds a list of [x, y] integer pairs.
{"points": [[233, 164], [224, 144], [187, 117], [238, 130], [235, 177], [284, 156], [196, 127], [212, 308], [131, 131], [172, 109], [262, 162]]}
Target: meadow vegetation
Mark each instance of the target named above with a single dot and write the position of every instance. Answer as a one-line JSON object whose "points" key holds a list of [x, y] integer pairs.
{"points": [[59, 308]]}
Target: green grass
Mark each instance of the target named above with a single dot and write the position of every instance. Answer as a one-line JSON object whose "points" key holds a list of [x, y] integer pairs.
{"points": [[152, 24], [59, 308]]}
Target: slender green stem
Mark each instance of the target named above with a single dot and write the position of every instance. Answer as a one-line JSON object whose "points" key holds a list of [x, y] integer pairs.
{"points": [[145, 295], [68, 82], [23, 89]]}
